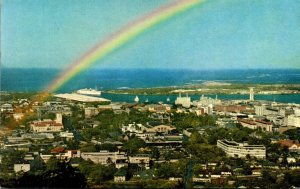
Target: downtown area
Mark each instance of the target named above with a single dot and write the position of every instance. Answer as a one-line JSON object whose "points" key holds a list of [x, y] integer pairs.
{"points": [[81, 141]]}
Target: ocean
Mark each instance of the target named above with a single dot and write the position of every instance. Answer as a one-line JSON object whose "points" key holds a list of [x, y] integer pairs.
{"points": [[32, 80]]}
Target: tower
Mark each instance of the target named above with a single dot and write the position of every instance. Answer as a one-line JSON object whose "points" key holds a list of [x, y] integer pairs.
{"points": [[58, 118], [251, 94]]}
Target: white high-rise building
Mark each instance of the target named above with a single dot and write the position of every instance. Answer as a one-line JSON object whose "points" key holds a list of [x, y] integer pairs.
{"points": [[251, 94]]}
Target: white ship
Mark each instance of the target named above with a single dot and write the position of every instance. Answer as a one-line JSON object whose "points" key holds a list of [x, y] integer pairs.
{"points": [[90, 91], [136, 99]]}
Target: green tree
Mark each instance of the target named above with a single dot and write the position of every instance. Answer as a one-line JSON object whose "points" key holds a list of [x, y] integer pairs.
{"points": [[53, 163], [101, 173], [37, 165], [72, 144], [196, 138], [293, 134], [155, 153], [166, 170], [85, 167], [64, 175], [133, 145], [88, 147], [9, 158]]}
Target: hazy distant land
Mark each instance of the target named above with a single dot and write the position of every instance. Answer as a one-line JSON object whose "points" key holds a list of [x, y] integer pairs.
{"points": [[212, 87]]}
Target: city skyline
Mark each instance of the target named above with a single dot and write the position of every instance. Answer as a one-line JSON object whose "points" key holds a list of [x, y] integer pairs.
{"points": [[212, 35]]}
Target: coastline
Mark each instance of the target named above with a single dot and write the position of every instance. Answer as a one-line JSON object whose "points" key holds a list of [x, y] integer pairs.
{"points": [[284, 93], [208, 89]]}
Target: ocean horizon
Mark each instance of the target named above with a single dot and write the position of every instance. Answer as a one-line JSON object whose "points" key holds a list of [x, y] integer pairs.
{"points": [[36, 79]]}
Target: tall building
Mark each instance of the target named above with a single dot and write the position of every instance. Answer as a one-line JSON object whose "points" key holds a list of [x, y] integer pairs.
{"points": [[251, 94]]}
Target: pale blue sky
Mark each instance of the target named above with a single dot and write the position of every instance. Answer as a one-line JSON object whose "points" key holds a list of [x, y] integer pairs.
{"points": [[215, 35]]}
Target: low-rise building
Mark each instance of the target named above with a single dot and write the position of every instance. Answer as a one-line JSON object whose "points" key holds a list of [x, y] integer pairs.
{"points": [[230, 108], [206, 101], [60, 153], [22, 167], [6, 108], [18, 116], [161, 129], [293, 120], [133, 128], [67, 135], [106, 157], [140, 159], [158, 108], [48, 125], [90, 112], [255, 124], [292, 145], [38, 136], [184, 101], [241, 150], [120, 176]]}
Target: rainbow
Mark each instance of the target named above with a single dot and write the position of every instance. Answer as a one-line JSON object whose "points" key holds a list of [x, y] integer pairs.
{"points": [[123, 36]]}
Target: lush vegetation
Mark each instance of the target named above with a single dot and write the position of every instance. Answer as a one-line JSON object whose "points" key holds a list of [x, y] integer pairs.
{"points": [[54, 173]]}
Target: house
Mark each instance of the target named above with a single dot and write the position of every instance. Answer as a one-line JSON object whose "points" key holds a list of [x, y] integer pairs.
{"points": [[256, 172], [120, 176], [292, 145], [57, 150], [22, 167], [148, 174]]}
